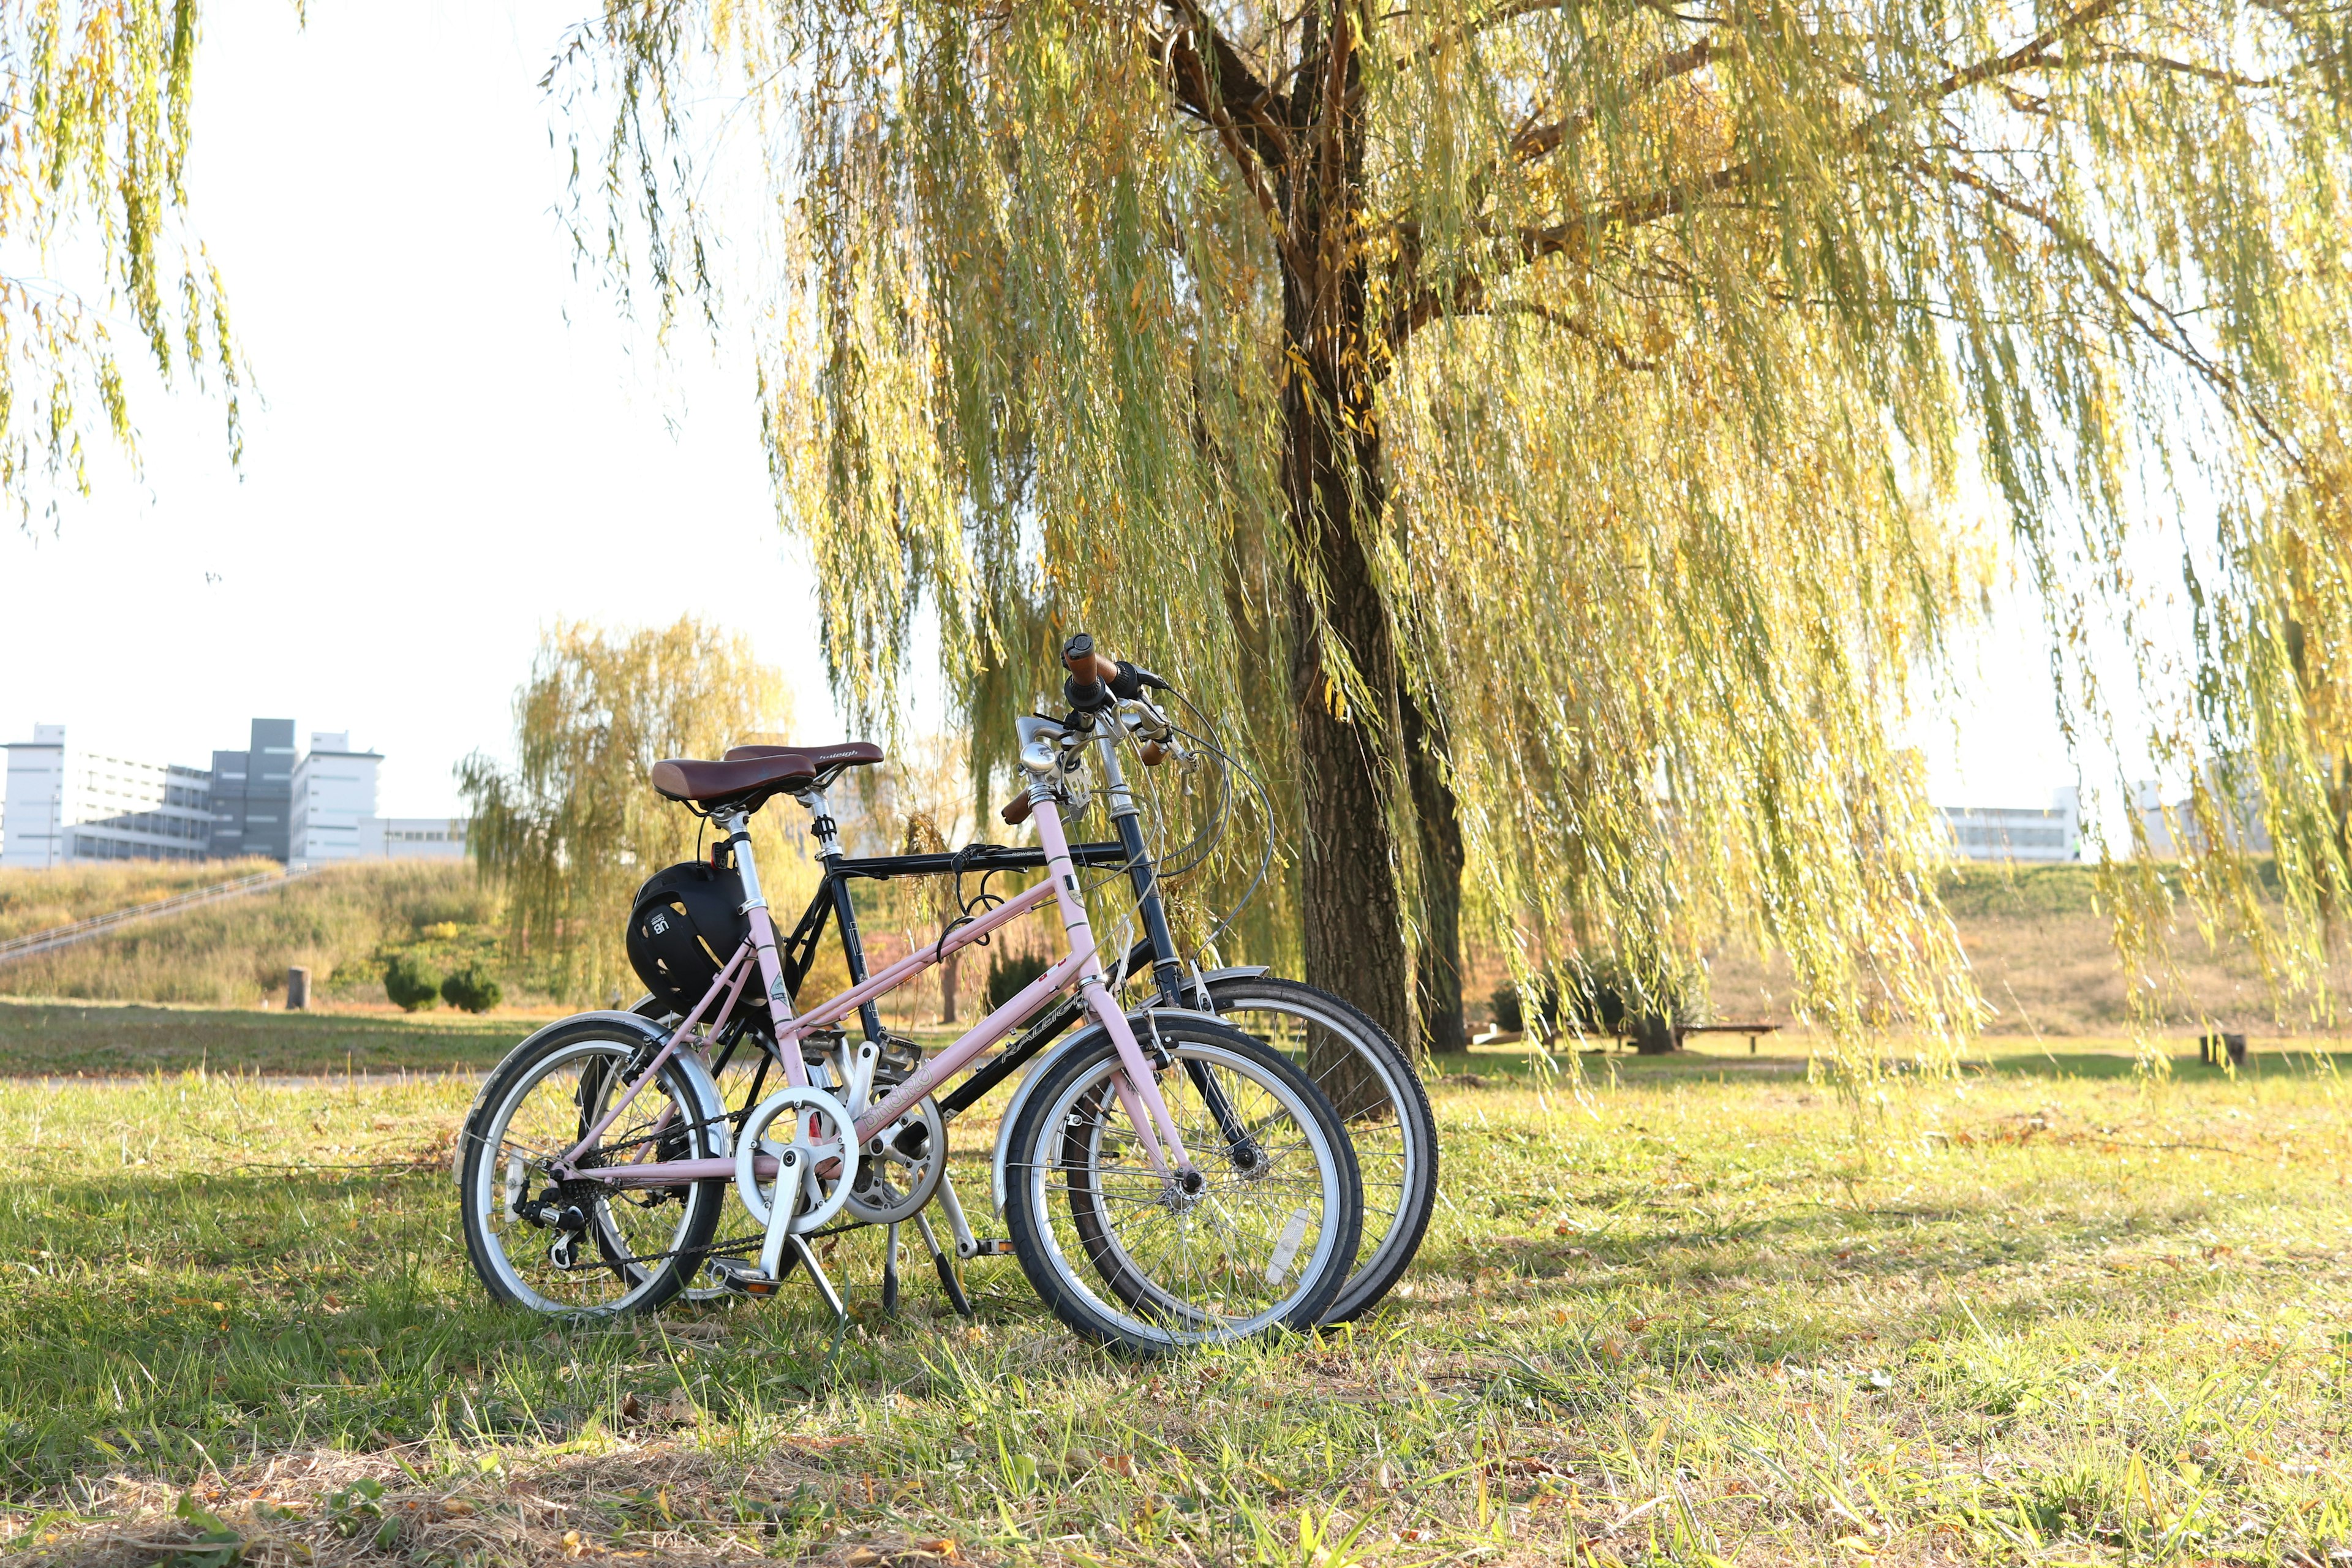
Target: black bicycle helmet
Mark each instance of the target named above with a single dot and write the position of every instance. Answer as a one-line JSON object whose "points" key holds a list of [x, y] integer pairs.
{"points": [[687, 923]]}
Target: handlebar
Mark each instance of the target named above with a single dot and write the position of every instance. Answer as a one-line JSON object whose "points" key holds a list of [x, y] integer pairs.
{"points": [[1096, 680]]}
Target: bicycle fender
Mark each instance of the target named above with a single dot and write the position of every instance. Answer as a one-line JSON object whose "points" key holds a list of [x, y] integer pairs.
{"points": [[1034, 1071], [709, 1110]]}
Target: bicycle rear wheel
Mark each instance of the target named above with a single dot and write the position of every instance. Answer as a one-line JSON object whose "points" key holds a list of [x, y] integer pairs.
{"points": [[1127, 1256], [584, 1247]]}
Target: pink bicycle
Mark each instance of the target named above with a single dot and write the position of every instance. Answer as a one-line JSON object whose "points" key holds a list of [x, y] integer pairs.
{"points": [[1169, 1181]]}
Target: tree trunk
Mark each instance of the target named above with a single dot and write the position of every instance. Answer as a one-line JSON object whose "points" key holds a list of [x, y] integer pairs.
{"points": [[1654, 1034], [1333, 482], [948, 986], [1437, 973], [1354, 938]]}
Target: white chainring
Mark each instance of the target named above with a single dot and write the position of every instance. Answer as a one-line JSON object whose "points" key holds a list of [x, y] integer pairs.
{"points": [[821, 1197]]}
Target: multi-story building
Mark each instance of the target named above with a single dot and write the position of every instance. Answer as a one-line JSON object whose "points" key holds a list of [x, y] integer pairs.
{"points": [[64, 805], [253, 795], [333, 798], [2019, 833]]}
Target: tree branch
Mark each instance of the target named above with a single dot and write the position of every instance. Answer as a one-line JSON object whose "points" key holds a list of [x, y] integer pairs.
{"points": [[1539, 140], [1234, 91], [2168, 335], [1527, 244], [1574, 326]]}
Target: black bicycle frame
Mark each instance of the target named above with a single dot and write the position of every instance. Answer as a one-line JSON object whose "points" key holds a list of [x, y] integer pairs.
{"points": [[832, 902]]}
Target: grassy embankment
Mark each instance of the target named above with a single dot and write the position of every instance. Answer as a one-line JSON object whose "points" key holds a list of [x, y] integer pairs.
{"points": [[2044, 961], [338, 922], [1680, 1317]]}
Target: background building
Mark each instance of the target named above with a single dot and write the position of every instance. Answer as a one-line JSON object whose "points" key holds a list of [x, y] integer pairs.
{"points": [[2243, 826], [64, 805], [413, 838], [2015, 833], [253, 795], [334, 794]]}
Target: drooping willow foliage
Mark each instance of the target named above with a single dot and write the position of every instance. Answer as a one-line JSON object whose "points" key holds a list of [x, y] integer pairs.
{"points": [[93, 233], [1566, 415], [574, 830]]}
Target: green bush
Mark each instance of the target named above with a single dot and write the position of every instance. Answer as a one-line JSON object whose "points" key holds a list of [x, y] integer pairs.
{"points": [[472, 988], [411, 985], [1008, 974], [1510, 1011]]}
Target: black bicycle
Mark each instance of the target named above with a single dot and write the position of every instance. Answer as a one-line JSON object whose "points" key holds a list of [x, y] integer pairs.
{"points": [[1356, 1064]]}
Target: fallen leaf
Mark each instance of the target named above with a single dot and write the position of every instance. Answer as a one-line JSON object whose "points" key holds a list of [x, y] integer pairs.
{"points": [[863, 1557], [572, 1545], [941, 1548]]}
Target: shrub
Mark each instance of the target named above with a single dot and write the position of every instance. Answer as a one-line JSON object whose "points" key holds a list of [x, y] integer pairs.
{"points": [[472, 988], [1008, 974], [411, 985], [1510, 1010]]}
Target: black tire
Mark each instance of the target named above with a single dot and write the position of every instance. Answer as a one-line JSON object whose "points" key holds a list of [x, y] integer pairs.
{"points": [[620, 1226], [1371, 1082], [1082, 1213]]}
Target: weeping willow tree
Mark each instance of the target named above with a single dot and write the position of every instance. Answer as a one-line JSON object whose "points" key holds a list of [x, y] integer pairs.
{"points": [[94, 237], [1564, 437], [573, 828]]}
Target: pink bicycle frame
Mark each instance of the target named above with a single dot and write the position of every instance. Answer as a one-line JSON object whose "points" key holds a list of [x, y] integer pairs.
{"points": [[1138, 1086]]}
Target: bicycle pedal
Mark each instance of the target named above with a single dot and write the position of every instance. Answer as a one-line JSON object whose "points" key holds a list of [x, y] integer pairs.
{"points": [[742, 1276], [986, 1248]]}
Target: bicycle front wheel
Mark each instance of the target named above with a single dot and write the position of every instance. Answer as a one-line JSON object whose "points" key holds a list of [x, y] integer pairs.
{"points": [[1260, 1236], [1371, 1082]]}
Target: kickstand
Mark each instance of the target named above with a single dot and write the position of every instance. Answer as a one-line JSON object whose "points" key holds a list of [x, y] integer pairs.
{"points": [[945, 1266], [816, 1272], [890, 1271]]}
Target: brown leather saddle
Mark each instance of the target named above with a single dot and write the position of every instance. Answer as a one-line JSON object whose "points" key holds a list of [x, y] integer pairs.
{"points": [[748, 775]]}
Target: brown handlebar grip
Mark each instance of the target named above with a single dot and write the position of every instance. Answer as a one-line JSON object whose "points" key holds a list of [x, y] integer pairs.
{"points": [[1016, 810], [1153, 752], [1088, 663]]}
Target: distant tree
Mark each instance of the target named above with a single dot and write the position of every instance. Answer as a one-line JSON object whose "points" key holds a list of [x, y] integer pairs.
{"points": [[411, 985], [94, 206], [473, 989], [573, 827]]}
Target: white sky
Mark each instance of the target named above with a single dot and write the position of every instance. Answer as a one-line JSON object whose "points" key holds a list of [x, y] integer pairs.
{"points": [[461, 443]]}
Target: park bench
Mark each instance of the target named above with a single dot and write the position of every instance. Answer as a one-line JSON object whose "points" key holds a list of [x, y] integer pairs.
{"points": [[1751, 1030]]}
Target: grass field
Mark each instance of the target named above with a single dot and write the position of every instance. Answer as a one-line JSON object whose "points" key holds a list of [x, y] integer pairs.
{"points": [[101, 1039], [2048, 1313]]}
